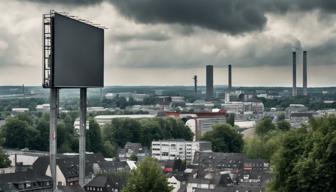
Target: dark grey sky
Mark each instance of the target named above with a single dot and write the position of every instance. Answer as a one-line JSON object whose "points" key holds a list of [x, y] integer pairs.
{"points": [[166, 42]]}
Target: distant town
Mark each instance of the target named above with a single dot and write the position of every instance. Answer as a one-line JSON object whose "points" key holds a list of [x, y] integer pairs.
{"points": [[175, 125], [167, 96]]}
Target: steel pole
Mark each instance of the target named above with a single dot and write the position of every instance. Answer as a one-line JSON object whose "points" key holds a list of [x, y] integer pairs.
{"points": [[53, 134]]}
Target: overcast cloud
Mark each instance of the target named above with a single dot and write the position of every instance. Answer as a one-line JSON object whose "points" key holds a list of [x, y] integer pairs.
{"points": [[147, 37]]}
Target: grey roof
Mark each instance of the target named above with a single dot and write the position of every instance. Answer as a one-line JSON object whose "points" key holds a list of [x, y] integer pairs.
{"points": [[23, 177], [108, 182], [134, 147], [199, 181], [69, 165], [11, 181], [113, 166], [98, 181], [74, 188]]}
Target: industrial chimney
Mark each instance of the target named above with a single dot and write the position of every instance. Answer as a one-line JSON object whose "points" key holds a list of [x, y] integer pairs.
{"points": [[209, 82], [294, 93], [230, 77], [195, 84], [304, 81]]}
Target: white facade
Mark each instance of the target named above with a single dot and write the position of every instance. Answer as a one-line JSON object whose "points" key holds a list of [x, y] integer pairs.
{"points": [[173, 182], [44, 108], [59, 176], [244, 107], [192, 185], [24, 159], [105, 119], [77, 125], [178, 149], [20, 110], [127, 95], [234, 107], [199, 126]]}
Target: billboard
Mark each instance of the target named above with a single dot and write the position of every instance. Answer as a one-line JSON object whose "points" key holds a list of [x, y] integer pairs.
{"points": [[77, 50]]}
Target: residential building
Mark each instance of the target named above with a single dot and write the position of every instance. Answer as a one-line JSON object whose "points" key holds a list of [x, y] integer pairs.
{"points": [[106, 183], [74, 188], [44, 108], [227, 171], [200, 122], [295, 108], [105, 119], [243, 107], [174, 182], [178, 149], [25, 181], [132, 150], [200, 125], [137, 97], [20, 110], [67, 168]]}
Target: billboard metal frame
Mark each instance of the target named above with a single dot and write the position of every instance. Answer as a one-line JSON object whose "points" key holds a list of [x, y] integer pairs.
{"points": [[48, 82]]}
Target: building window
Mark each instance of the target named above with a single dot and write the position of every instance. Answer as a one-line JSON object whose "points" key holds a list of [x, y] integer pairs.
{"points": [[165, 154]]}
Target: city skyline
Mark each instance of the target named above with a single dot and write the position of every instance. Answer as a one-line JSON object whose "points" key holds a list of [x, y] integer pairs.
{"points": [[140, 44]]}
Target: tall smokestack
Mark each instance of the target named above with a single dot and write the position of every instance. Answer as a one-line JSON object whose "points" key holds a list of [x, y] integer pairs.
{"points": [[230, 77], [294, 93], [304, 81], [195, 84], [209, 82]]}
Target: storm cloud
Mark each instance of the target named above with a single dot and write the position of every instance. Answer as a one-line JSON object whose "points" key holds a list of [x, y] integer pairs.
{"points": [[230, 16], [70, 2], [149, 36], [233, 17], [149, 39]]}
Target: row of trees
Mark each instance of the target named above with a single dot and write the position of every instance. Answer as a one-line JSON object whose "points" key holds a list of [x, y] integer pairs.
{"points": [[8, 104], [144, 131], [29, 131]]}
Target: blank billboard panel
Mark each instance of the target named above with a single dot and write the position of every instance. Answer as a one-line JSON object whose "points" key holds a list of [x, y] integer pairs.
{"points": [[78, 54]]}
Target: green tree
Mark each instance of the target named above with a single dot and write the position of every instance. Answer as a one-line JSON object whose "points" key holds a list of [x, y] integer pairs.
{"points": [[122, 130], [263, 147], [224, 138], [150, 131], [283, 125], [42, 141], [4, 161], [93, 137], [264, 126], [109, 150], [306, 159], [16, 133], [148, 177]]}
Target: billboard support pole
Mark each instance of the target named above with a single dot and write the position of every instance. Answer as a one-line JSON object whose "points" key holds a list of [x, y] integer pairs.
{"points": [[82, 130], [54, 93]]}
